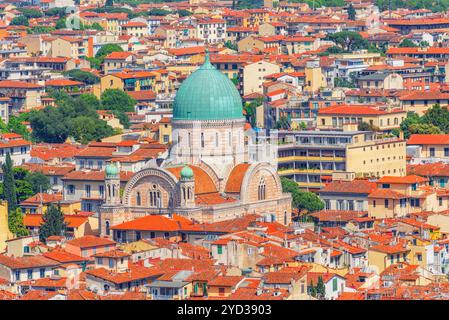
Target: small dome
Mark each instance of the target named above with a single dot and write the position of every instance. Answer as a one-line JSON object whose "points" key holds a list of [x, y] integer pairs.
{"points": [[207, 94], [111, 170], [186, 173]]}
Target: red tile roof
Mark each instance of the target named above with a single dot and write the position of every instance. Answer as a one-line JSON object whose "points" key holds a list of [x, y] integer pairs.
{"points": [[410, 179], [354, 186], [426, 139], [36, 220], [90, 242], [150, 223]]}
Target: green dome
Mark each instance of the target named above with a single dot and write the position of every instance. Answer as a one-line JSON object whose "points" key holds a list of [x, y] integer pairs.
{"points": [[207, 94], [111, 170], [186, 173]]}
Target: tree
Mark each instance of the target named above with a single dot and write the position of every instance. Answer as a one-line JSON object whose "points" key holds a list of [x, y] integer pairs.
{"points": [[39, 182], [250, 110], [302, 200], [82, 76], [364, 126], [184, 13], [76, 117], [119, 102], [116, 99], [348, 40], [30, 13], [20, 21], [320, 288], [351, 12], [229, 44], [24, 189], [61, 24], [9, 186], [437, 116], [283, 123], [106, 49], [53, 223], [15, 223], [434, 121], [158, 12], [407, 43], [109, 3]]}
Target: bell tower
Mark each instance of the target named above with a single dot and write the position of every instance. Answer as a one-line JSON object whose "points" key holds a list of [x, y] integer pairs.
{"points": [[112, 185], [187, 187]]}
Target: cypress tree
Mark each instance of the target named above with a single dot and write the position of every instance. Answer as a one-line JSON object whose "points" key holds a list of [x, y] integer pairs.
{"points": [[9, 185], [53, 223], [320, 288]]}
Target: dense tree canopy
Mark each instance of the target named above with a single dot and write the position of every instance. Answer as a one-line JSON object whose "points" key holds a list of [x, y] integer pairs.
{"points": [[435, 6], [82, 76], [19, 21], [348, 40], [302, 200], [98, 60], [435, 120], [407, 43], [75, 117]]}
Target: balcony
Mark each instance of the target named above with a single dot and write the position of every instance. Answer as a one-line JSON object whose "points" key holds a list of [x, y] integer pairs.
{"points": [[305, 158]]}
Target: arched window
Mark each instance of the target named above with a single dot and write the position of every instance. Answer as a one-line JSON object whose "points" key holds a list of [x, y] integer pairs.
{"points": [[230, 138], [138, 199], [216, 139], [107, 229], [189, 193], [202, 140], [155, 199], [261, 190]]}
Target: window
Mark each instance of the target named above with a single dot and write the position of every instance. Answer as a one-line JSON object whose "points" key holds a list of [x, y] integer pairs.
{"points": [[221, 291], [70, 189], [386, 203], [335, 284], [30, 274], [155, 199], [138, 199], [111, 263], [261, 190], [166, 235], [442, 182], [100, 260], [87, 190], [17, 275], [374, 203], [419, 257], [101, 191], [26, 249], [385, 186], [432, 152], [138, 235], [414, 186], [107, 229], [220, 249], [42, 272], [440, 201]]}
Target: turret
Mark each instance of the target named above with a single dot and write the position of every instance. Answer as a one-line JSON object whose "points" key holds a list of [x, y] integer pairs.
{"points": [[187, 187], [112, 183]]}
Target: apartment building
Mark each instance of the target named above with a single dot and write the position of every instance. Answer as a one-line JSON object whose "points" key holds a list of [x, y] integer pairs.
{"points": [[383, 119], [428, 148], [310, 157], [18, 148]]}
